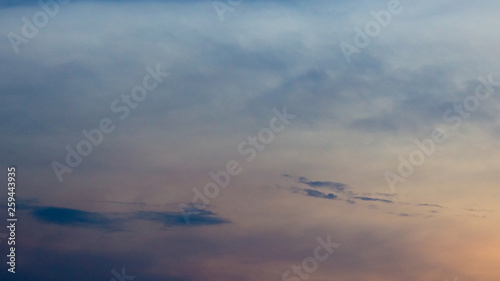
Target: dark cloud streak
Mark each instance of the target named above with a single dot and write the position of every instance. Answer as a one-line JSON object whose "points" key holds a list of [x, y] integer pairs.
{"points": [[116, 222]]}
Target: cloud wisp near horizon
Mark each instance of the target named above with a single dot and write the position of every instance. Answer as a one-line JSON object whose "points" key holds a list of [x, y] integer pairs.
{"points": [[222, 140]]}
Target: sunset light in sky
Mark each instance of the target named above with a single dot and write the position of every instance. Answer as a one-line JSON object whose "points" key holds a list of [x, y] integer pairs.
{"points": [[250, 140]]}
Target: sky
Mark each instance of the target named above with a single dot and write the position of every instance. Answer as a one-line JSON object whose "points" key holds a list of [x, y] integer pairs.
{"points": [[250, 140]]}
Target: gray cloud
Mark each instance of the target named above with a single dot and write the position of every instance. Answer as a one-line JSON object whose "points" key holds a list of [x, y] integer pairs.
{"points": [[225, 79], [362, 198], [319, 194], [337, 186], [430, 205], [116, 221]]}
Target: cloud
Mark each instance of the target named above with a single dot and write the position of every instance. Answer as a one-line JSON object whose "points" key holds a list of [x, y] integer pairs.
{"points": [[477, 210], [430, 205], [116, 221], [324, 184], [328, 185], [172, 219], [409, 215], [319, 194], [353, 120], [72, 217], [373, 199], [336, 186]]}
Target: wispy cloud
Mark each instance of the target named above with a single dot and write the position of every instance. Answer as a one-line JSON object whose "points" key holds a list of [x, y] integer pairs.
{"points": [[117, 221], [319, 194], [324, 184], [430, 205], [373, 199], [72, 217]]}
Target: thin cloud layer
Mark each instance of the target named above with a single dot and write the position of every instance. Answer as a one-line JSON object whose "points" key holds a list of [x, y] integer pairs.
{"points": [[355, 120], [116, 222]]}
